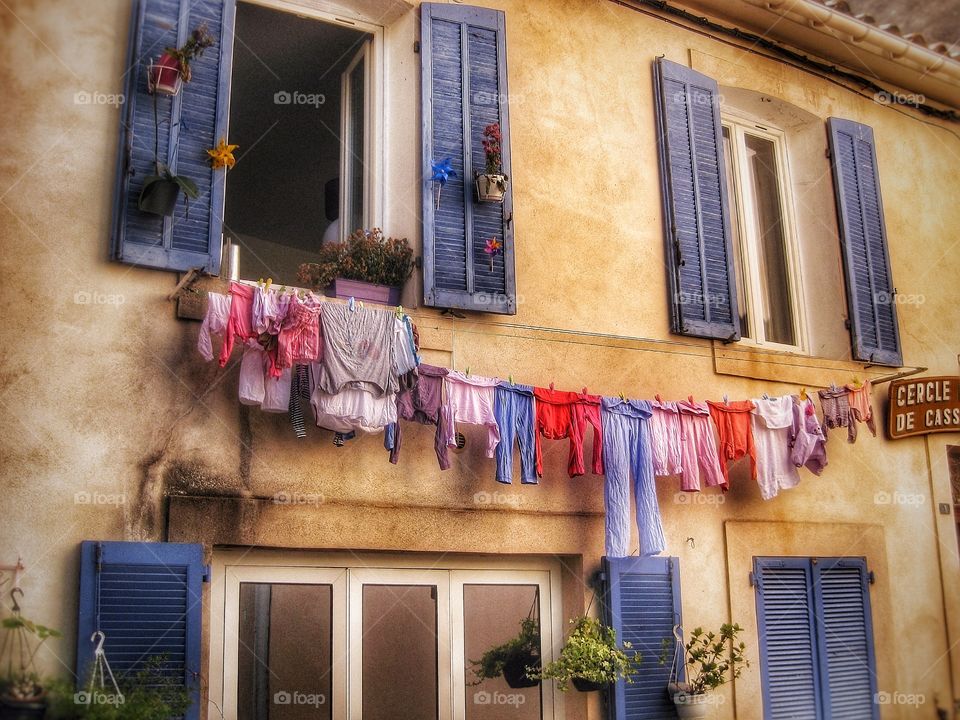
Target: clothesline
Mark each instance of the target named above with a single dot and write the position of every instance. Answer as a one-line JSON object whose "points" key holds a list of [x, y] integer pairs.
{"points": [[359, 370]]}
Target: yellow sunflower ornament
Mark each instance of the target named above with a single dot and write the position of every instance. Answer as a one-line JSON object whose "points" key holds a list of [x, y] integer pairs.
{"points": [[222, 155]]}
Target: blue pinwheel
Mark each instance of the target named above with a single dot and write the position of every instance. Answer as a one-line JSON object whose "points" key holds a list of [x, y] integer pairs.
{"points": [[442, 171]]}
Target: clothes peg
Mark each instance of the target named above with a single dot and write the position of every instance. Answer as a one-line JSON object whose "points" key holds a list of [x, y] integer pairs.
{"points": [[726, 399], [551, 386], [690, 398], [269, 283], [511, 379], [584, 390], [399, 312], [283, 289], [467, 371], [351, 304], [260, 282], [856, 382], [765, 396], [658, 398], [623, 397], [803, 393]]}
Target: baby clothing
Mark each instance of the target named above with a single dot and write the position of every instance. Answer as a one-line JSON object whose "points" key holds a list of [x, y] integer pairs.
{"points": [[300, 339], [253, 368], [470, 399], [587, 411], [808, 445], [269, 310], [861, 406], [423, 403], [772, 423], [736, 440], [214, 323], [516, 418], [699, 448], [627, 454], [353, 409], [562, 414], [358, 349], [239, 323], [276, 392], [837, 412], [665, 437]]}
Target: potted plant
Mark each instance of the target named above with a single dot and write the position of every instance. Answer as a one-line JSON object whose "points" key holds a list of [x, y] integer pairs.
{"points": [[492, 183], [515, 660], [711, 659], [367, 266], [167, 75], [591, 658], [23, 693]]}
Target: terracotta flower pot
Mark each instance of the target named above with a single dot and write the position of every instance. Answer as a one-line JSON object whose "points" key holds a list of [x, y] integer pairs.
{"points": [[491, 188], [165, 75], [360, 290]]}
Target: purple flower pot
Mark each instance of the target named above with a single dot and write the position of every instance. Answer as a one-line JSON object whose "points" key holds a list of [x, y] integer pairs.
{"points": [[370, 292]]}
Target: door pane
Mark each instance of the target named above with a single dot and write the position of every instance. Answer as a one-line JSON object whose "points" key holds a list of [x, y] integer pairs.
{"points": [[772, 251], [286, 649], [399, 652], [492, 615]]}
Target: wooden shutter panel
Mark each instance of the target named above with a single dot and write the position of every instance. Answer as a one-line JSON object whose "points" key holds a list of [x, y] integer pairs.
{"points": [[790, 674], [190, 123], [699, 250], [874, 332], [464, 89], [145, 597], [847, 661], [643, 605]]}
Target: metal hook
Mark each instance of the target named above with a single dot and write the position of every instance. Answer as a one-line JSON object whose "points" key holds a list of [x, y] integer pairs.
{"points": [[692, 543], [13, 598], [99, 638]]}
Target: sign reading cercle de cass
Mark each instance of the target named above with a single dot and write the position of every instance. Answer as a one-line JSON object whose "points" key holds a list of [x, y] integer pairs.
{"points": [[919, 406]]}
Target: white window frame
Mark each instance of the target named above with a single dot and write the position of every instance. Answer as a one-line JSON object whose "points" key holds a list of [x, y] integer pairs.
{"points": [[743, 204], [346, 572]]}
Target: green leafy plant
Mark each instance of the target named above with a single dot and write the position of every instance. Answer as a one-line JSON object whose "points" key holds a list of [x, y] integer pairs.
{"points": [[366, 255], [591, 653], [200, 39], [524, 647], [712, 659], [22, 640]]}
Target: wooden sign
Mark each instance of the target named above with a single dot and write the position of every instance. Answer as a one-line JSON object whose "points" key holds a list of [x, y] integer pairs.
{"points": [[919, 406]]}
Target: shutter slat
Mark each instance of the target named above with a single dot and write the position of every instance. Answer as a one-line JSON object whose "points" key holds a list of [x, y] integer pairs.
{"points": [[693, 184], [874, 329], [464, 83], [190, 123]]}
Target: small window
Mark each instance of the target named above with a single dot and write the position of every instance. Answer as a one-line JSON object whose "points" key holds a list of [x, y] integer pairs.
{"points": [[300, 110], [764, 245]]}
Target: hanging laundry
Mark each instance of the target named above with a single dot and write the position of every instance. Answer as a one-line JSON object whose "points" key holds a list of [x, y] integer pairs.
{"points": [[470, 399], [354, 409], [628, 454], [514, 408], [405, 358], [861, 406], [253, 368], [699, 448], [276, 392], [559, 417], [358, 350], [666, 438], [807, 441], [239, 325], [299, 397], [300, 339], [214, 323], [423, 404], [269, 310], [772, 423], [835, 404], [736, 439]]}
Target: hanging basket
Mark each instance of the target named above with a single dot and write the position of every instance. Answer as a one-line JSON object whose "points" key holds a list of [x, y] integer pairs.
{"points": [[491, 188], [584, 685], [159, 197], [164, 76], [515, 670]]}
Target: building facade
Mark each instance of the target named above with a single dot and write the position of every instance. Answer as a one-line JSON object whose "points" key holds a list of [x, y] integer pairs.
{"points": [[691, 213]]}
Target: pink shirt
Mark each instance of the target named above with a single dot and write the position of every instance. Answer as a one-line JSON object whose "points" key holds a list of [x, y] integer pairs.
{"points": [[699, 447], [470, 399]]}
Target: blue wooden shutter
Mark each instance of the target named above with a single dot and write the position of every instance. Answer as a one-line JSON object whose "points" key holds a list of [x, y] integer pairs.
{"points": [[699, 250], [643, 605], [145, 597], [874, 331], [464, 89], [786, 614], [845, 631], [190, 124]]}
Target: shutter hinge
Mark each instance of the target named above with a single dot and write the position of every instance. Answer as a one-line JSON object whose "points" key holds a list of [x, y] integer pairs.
{"points": [[871, 578], [205, 574], [826, 153], [846, 323], [752, 576], [416, 46], [602, 577]]}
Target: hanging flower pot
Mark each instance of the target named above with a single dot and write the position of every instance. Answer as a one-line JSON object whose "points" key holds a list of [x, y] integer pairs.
{"points": [[160, 193], [165, 75], [584, 685], [491, 187], [515, 670]]}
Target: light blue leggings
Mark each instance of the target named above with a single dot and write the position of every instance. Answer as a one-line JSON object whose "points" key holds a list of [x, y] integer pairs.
{"points": [[513, 409]]}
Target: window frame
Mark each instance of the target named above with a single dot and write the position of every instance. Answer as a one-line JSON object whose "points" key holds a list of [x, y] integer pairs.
{"points": [[742, 199], [374, 110]]}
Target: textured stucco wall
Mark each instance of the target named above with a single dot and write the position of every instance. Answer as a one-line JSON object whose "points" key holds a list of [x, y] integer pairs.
{"points": [[103, 394]]}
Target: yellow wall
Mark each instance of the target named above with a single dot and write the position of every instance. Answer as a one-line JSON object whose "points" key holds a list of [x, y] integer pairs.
{"points": [[110, 397]]}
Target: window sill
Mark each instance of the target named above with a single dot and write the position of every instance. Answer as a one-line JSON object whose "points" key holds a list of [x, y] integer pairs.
{"points": [[786, 367]]}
